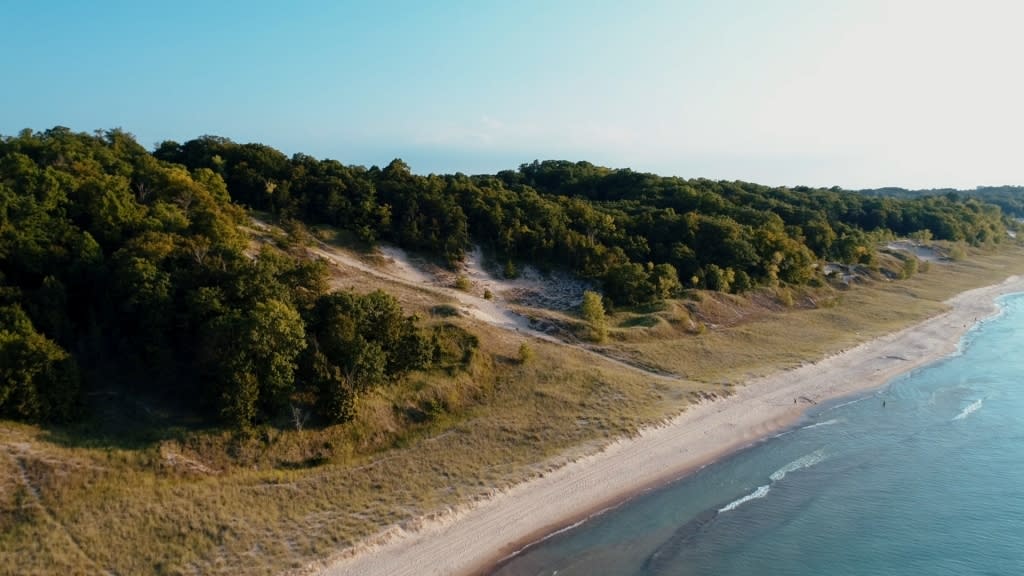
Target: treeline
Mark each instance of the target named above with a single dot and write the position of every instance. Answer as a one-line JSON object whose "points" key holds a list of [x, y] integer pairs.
{"points": [[123, 273], [1009, 198], [640, 235]]}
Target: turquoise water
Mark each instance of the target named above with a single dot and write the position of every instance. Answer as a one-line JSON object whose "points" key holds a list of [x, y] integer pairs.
{"points": [[931, 483]]}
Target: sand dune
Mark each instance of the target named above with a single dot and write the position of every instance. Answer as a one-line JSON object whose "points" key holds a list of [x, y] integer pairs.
{"points": [[468, 541]]}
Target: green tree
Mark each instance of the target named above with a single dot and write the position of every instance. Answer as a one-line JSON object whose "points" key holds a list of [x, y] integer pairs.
{"points": [[627, 284], [38, 379], [274, 339], [720, 279], [664, 281], [357, 343], [336, 398], [253, 355], [592, 309]]}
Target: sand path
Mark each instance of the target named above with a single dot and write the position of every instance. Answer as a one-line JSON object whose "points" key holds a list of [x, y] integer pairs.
{"points": [[469, 540], [401, 270]]}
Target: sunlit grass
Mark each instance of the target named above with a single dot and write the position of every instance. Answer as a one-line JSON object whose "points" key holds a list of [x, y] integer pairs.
{"points": [[209, 502], [742, 337]]}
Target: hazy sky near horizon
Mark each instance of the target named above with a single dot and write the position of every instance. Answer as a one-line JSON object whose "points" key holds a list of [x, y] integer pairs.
{"points": [[855, 93]]}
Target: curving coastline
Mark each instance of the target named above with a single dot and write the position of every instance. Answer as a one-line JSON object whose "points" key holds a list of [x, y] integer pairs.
{"points": [[473, 540]]}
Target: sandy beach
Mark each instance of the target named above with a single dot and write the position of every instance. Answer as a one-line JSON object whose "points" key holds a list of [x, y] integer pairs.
{"points": [[470, 540]]}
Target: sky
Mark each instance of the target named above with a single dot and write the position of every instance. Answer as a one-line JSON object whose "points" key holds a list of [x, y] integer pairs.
{"points": [[858, 93]]}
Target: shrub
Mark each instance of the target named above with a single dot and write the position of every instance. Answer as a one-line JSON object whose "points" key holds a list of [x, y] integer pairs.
{"points": [[957, 252], [910, 267], [593, 312], [525, 353]]}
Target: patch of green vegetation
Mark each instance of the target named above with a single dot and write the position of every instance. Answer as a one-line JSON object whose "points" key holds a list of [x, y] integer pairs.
{"points": [[526, 353], [444, 311], [762, 332], [643, 321]]}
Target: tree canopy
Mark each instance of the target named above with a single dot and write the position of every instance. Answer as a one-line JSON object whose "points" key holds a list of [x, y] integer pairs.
{"points": [[119, 270], [641, 236]]}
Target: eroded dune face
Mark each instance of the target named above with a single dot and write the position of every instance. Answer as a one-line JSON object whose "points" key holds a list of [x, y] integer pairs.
{"points": [[531, 288], [926, 253]]}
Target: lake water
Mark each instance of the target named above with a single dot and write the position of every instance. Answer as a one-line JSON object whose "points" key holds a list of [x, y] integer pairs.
{"points": [[923, 477]]}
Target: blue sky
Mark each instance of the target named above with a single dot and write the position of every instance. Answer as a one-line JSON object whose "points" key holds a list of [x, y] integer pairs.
{"points": [[858, 93]]}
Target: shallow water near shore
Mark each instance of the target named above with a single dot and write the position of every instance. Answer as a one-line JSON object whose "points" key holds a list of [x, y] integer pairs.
{"points": [[923, 477]]}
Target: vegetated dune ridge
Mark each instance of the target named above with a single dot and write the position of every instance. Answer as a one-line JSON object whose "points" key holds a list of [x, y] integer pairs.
{"points": [[472, 539], [494, 311]]}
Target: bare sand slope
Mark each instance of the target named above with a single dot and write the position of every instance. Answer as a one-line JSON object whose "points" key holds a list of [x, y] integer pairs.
{"points": [[403, 272], [493, 311], [468, 540]]}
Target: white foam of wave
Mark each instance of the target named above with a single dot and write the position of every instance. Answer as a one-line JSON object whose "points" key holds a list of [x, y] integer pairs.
{"points": [[800, 463], [825, 423], [572, 526], [761, 492], [970, 409], [848, 402]]}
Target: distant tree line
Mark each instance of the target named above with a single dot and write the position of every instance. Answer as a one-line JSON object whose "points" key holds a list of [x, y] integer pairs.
{"points": [[641, 236], [1009, 198], [123, 272]]}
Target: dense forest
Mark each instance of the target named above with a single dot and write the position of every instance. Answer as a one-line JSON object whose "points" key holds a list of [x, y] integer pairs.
{"points": [[1009, 198], [121, 268], [119, 271], [641, 236]]}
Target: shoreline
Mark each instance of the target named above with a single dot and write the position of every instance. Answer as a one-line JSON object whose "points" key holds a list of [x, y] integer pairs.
{"points": [[479, 537]]}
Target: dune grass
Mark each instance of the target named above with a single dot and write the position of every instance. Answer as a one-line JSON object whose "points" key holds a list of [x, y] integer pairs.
{"points": [[212, 503], [181, 500], [742, 337]]}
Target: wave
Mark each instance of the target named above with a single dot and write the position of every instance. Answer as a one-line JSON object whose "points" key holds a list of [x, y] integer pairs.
{"points": [[970, 409], [563, 530], [761, 492], [800, 463], [803, 462], [848, 402], [825, 423]]}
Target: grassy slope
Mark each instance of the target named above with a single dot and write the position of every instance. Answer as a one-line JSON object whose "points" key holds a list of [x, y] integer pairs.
{"points": [[185, 501], [731, 347]]}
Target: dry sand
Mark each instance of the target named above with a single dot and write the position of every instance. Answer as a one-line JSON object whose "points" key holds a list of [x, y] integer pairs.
{"points": [[402, 271], [472, 539]]}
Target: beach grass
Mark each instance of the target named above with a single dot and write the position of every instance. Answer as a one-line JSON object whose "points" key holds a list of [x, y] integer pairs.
{"points": [[182, 500], [743, 337]]}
